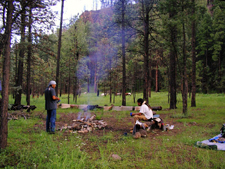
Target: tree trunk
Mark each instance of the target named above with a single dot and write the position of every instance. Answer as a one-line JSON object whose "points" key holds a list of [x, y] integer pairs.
{"points": [[5, 83], [193, 102], [110, 86], [156, 78], [29, 48], [59, 49], [95, 78], [95, 81], [135, 82], [204, 76], [76, 88], [21, 56], [173, 54], [16, 69], [146, 52], [184, 94], [88, 84], [123, 54], [69, 84], [114, 86], [150, 78]]}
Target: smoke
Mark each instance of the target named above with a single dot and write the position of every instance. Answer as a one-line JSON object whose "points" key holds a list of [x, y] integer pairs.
{"points": [[82, 116], [79, 115], [87, 115]]}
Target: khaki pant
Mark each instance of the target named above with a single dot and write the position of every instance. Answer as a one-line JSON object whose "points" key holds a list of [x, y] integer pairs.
{"points": [[139, 117]]}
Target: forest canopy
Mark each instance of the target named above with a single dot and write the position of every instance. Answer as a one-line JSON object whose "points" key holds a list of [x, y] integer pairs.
{"points": [[126, 46]]}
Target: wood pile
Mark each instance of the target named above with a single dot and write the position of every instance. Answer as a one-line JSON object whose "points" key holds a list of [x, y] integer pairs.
{"points": [[85, 125]]}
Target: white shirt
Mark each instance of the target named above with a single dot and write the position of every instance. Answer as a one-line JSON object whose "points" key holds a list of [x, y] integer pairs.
{"points": [[146, 111]]}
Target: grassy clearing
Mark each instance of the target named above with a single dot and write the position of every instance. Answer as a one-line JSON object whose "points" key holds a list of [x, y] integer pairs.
{"points": [[29, 146]]}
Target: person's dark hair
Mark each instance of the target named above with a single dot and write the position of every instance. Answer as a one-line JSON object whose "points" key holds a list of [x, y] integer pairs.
{"points": [[140, 100]]}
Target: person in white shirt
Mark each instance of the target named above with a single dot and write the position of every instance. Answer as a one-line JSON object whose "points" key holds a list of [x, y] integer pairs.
{"points": [[145, 112]]}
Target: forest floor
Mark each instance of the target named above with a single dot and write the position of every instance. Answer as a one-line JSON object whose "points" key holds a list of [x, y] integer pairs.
{"points": [[119, 126], [30, 145], [114, 124]]}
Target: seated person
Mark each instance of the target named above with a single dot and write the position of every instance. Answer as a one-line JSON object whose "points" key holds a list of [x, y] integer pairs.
{"points": [[145, 113]]}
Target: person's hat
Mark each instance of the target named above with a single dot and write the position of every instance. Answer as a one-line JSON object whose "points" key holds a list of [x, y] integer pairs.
{"points": [[52, 83]]}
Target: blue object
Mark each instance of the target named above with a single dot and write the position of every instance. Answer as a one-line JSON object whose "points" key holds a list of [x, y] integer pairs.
{"points": [[131, 113], [156, 116], [58, 101], [216, 139]]}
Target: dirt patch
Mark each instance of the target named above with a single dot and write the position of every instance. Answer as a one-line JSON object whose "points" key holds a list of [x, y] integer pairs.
{"points": [[117, 127], [120, 126]]}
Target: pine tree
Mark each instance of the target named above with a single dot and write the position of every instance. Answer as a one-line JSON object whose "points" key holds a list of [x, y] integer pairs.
{"points": [[6, 74]]}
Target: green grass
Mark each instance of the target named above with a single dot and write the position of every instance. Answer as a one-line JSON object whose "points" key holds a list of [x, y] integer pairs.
{"points": [[29, 146]]}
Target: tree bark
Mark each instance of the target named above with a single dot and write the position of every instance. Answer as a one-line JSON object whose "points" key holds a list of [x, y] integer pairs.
{"points": [[21, 55], [110, 88], [193, 101], [184, 94], [59, 49], [16, 69], [123, 54], [173, 54], [29, 48], [145, 10], [135, 82], [69, 84], [150, 78], [156, 78], [5, 83]]}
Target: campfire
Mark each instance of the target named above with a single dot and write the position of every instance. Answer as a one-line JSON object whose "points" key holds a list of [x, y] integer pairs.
{"points": [[84, 123]]}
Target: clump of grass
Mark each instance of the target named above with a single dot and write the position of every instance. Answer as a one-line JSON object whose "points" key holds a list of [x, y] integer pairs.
{"points": [[121, 115], [99, 115]]}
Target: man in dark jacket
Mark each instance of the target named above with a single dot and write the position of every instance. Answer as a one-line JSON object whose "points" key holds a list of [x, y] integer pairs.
{"points": [[51, 106]]}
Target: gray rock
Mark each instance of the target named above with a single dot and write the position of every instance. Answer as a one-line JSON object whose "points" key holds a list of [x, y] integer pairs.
{"points": [[116, 157]]}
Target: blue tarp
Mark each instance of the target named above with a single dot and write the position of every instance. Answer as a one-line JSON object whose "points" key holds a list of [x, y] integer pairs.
{"points": [[209, 143]]}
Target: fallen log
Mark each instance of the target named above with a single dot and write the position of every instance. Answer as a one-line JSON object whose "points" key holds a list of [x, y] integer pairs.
{"points": [[107, 108], [92, 107], [64, 106], [21, 107], [74, 106], [157, 108], [137, 108]]}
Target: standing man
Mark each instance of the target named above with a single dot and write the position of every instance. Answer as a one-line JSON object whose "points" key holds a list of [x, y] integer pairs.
{"points": [[51, 106]]}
